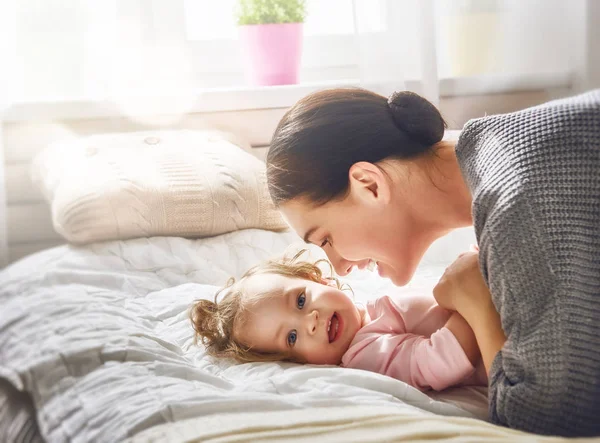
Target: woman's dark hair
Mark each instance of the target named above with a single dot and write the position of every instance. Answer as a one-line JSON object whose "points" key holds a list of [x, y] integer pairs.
{"points": [[325, 133]]}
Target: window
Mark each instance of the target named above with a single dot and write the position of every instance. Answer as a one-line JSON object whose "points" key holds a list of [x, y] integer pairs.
{"points": [[329, 47], [112, 48], [210, 20]]}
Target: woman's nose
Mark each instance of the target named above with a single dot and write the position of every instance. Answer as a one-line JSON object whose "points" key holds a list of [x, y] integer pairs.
{"points": [[341, 265], [312, 322]]}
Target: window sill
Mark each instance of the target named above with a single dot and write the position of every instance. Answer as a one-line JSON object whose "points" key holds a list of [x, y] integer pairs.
{"points": [[270, 97], [504, 83]]}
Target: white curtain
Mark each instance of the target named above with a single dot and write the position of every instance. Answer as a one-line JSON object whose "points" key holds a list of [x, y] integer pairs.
{"points": [[3, 206], [511, 37], [396, 46], [7, 55], [488, 42]]}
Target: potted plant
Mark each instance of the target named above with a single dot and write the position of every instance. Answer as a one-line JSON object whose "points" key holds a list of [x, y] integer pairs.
{"points": [[271, 34]]}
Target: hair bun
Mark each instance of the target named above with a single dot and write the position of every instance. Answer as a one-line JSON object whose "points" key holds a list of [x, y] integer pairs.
{"points": [[417, 117]]}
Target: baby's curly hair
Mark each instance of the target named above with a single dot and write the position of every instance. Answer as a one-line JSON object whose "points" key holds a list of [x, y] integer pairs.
{"points": [[214, 321]]}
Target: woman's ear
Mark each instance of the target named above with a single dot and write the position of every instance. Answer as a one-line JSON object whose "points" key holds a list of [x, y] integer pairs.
{"points": [[369, 183]]}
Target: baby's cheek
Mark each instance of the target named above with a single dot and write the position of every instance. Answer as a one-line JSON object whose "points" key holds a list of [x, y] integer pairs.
{"points": [[332, 357]]}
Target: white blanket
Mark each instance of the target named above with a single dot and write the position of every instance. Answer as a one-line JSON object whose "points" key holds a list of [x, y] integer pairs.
{"points": [[348, 424], [100, 337]]}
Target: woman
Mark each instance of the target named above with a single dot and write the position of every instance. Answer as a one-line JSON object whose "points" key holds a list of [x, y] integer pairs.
{"points": [[370, 179]]}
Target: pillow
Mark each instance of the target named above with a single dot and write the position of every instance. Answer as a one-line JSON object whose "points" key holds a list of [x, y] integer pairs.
{"points": [[165, 183]]}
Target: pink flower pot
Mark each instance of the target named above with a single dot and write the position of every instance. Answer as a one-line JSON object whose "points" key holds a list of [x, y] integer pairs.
{"points": [[272, 53]]}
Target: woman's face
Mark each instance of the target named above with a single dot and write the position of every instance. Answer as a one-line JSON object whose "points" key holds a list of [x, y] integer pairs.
{"points": [[368, 224]]}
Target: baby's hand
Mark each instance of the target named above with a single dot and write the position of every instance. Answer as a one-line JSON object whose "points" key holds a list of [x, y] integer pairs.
{"points": [[462, 287]]}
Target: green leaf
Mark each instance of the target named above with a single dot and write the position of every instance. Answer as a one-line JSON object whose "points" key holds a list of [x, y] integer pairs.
{"points": [[260, 12]]}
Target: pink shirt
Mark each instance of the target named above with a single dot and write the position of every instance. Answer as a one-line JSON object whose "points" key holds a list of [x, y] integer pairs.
{"points": [[406, 339]]}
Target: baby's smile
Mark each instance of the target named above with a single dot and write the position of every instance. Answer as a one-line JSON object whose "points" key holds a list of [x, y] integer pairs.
{"points": [[335, 327]]}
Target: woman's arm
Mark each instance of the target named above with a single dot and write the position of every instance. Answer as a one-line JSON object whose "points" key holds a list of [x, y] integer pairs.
{"points": [[463, 289]]}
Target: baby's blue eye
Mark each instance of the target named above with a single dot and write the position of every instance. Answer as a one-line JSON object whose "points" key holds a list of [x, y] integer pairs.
{"points": [[301, 300], [292, 336]]}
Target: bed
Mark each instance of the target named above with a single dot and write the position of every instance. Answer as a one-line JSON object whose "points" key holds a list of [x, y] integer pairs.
{"points": [[99, 337], [95, 340]]}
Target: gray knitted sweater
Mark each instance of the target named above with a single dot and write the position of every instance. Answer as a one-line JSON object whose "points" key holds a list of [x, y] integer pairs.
{"points": [[535, 180]]}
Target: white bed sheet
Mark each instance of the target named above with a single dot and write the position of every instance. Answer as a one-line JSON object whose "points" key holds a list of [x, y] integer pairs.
{"points": [[100, 337]]}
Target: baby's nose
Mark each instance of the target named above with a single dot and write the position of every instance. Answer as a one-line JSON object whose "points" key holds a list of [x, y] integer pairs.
{"points": [[313, 322]]}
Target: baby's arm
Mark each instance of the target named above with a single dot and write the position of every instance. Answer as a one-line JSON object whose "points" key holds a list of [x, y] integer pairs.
{"points": [[465, 337], [435, 363], [439, 361]]}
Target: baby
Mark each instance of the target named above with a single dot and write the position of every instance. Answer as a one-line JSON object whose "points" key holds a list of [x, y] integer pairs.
{"points": [[287, 311]]}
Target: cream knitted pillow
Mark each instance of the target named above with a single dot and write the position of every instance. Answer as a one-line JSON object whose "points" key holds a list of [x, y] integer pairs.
{"points": [[165, 183]]}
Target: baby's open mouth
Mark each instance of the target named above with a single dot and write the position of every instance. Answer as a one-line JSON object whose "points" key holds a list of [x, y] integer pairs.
{"points": [[332, 327]]}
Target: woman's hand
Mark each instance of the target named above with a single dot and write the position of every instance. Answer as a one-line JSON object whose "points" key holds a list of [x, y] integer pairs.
{"points": [[462, 287]]}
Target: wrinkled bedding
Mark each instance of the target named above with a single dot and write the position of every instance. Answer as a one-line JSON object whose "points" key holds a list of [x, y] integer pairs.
{"points": [[348, 424], [99, 337], [17, 416]]}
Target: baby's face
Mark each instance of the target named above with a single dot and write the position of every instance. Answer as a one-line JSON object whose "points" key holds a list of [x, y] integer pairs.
{"points": [[314, 321]]}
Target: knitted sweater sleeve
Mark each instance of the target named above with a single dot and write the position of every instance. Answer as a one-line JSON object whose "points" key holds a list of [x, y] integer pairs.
{"points": [[535, 180], [525, 390]]}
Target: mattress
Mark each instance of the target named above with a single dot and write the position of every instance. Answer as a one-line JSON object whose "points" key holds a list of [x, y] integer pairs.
{"points": [[99, 338]]}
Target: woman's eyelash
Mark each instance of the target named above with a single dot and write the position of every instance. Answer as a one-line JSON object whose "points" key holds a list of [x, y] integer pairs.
{"points": [[301, 300], [324, 242], [292, 337]]}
